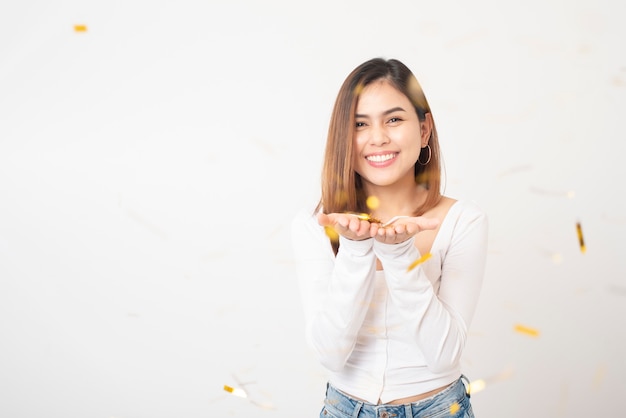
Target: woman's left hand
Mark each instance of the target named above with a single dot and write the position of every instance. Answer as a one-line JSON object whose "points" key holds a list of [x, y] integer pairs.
{"points": [[404, 229]]}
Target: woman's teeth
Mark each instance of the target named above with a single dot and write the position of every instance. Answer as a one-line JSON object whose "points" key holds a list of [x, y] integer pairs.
{"points": [[380, 158]]}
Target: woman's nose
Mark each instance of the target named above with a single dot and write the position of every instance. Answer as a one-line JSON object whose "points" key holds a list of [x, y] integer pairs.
{"points": [[378, 137]]}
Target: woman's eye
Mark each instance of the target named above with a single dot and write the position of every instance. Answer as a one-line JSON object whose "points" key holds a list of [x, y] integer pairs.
{"points": [[394, 120], [360, 124]]}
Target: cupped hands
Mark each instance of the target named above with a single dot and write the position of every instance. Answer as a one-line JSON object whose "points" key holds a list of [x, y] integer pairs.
{"points": [[356, 229]]}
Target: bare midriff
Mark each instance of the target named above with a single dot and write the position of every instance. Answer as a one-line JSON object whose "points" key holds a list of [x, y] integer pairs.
{"points": [[410, 399]]}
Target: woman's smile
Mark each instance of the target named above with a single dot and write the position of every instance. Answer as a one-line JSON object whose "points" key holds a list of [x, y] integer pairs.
{"points": [[381, 160]]}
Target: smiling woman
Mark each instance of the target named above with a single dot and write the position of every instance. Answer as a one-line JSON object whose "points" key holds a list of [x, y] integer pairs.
{"points": [[385, 138], [388, 296]]}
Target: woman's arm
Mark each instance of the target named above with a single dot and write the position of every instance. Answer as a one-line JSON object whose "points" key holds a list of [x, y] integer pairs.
{"points": [[335, 291], [439, 322]]}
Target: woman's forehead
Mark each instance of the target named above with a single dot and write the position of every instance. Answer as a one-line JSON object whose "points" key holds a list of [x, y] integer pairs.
{"points": [[381, 94]]}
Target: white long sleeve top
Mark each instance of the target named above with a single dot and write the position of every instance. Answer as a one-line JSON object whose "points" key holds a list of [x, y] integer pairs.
{"points": [[393, 333]]}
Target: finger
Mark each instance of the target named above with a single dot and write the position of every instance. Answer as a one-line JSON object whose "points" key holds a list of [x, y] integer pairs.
{"points": [[426, 223], [389, 235], [353, 224], [323, 219], [360, 228], [412, 229], [342, 220], [366, 227], [399, 229]]}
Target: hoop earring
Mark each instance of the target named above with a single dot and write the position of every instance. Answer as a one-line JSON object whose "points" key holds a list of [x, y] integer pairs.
{"points": [[430, 154]]}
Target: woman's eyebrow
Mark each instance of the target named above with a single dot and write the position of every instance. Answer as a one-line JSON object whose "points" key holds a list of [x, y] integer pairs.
{"points": [[385, 113]]}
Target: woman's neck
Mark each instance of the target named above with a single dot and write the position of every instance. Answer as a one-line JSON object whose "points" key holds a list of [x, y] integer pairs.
{"points": [[397, 201]]}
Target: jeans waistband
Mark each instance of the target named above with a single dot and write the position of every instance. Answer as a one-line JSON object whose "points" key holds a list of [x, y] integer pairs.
{"points": [[453, 396]]}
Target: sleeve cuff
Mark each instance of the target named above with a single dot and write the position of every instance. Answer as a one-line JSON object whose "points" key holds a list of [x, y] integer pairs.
{"points": [[358, 248], [396, 250]]}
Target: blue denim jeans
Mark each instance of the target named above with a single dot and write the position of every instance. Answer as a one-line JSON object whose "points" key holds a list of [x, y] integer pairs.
{"points": [[453, 401]]}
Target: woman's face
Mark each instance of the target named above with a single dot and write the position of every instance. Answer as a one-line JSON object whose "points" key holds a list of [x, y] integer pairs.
{"points": [[388, 136]]}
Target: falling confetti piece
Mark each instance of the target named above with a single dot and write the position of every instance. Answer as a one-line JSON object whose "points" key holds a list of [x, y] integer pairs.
{"points": [[250, 394], [331, 233], [141, 220], [237, 392], [372, 202], [480, 384], [557, 258], [365, 217], [503, 375], [80, 28], [421, 178], [579, 231], [515, 170], [454, 408], [419, 261], [526, 330], [563, 399], [600, 376], [476, 386]]}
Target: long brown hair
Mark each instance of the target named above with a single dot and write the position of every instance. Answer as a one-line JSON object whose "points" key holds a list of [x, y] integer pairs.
{"points": [[342, 189]]}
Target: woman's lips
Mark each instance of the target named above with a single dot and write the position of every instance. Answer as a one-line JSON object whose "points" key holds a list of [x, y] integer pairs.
{"points": [[381, 159]]}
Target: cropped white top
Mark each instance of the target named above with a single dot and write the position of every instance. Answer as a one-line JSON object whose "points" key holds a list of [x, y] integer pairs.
{"points": [[393, 333]]}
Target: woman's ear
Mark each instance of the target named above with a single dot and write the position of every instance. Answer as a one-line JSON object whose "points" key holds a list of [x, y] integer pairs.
{"points": [[426, 129]]}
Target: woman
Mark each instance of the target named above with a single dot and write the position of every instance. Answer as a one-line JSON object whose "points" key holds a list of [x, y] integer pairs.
{"points": [[390, 270]]}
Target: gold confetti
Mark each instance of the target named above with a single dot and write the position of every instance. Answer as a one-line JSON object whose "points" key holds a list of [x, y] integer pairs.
{"points": [[421, 178], [454, 408], [419, 261], [579, 231], [254, 396], [331, 233], [476, 386], [516, 169], [526, 330], [237, 392], [599, 376], [372, 202], [80, 28], [365, 217], [480, 384], [557, 258]]}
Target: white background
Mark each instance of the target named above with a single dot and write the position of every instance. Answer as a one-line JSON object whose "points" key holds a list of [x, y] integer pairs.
{"points": [[150, 166]]}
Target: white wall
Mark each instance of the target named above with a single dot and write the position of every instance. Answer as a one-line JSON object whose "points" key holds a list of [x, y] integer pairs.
{"points": [[150, 166]]}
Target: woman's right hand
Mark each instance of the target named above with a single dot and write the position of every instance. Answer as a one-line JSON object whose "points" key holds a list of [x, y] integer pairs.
{"points": [[348, 226]]}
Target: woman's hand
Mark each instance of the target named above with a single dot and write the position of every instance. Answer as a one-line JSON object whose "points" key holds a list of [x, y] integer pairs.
{"points": [[348, 225], [405, 228]]}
